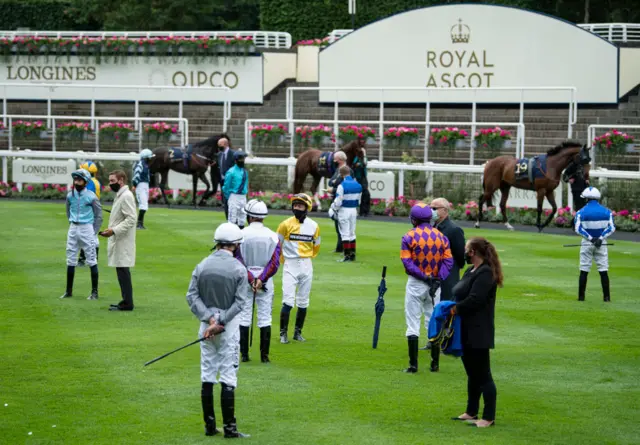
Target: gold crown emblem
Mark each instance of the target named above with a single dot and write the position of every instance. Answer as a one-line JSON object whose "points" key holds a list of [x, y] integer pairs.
{"points": [[458, 33]]}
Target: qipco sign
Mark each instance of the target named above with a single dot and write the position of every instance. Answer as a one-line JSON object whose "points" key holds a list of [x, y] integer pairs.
{"points": [[381, 185], [229, 79]]}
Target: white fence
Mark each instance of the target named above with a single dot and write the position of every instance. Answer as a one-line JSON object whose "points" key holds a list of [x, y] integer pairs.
{"points": [[591, 134], [520, 129], [261, 39], [51, 128], [430, 96], [60, 91]]}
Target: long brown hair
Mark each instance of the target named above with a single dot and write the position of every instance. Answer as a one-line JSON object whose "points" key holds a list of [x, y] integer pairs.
{"points": [[487, 251]]}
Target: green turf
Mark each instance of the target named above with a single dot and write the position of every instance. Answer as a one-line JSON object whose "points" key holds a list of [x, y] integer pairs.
{"points": [[566, 372]]}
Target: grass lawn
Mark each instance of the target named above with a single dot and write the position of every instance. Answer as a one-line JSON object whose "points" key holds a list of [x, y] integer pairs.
{"points": [[566, 372]]}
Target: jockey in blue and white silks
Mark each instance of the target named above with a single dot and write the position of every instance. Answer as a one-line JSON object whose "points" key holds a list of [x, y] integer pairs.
{"points": [[594, 223], [345, 209], [141, 179]]}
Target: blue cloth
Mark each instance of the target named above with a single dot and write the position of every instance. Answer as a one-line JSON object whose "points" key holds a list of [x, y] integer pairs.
{"points": [[236, 181], [140, 173], [438, 319], [350, 190], [325, 163], [594, 221], [531, 168]]}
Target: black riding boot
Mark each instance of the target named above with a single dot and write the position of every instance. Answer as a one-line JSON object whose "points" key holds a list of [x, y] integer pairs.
{"points": [[206, 395], [82, 259], [265, 342], [244, 343], [71, 272], [435, 358], [353, 250], [97, 251], [301, 314], [284, 323], [582, 286], [604, 280], [412, 341], [228, 413], [94, 283], [141, 219]]}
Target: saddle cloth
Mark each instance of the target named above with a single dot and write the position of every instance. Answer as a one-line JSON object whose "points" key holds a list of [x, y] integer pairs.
{"points": [[531, 168], [179, 154], [325, 164]]}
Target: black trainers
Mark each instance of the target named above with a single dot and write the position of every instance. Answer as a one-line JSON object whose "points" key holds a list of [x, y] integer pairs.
{"points": [[93, 296], [298, 336], [66, 295], [435, 366], [231, 432], [410, 370]]}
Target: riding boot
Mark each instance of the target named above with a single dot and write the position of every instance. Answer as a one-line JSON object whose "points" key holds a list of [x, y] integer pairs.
{"points": [[97, 251], [347, 255], [284, 323], [265, 342], [353, 250], [244, 343], [94, 283], [82, 259], [412, 341], [582, 285], [604, 280], [141, 219], [228, 413], [301, 314], [71, 272], [206, 396], [435, 358]]}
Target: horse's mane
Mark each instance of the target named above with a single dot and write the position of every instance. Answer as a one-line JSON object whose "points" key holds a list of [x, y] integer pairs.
{"points": [[563, 146], [212, 141]]}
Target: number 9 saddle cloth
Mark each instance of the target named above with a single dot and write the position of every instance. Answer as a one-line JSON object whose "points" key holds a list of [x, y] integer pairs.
{"points": [[531, 169]]}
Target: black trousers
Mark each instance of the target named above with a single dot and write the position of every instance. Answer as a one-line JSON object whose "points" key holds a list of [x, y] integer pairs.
{"points": [[479, 383], [225, 204], [339, 246], [365, 201], [126, 288]]}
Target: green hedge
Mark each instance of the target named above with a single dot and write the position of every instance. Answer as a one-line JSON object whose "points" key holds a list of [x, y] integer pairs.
{"points": [[41, 15]]}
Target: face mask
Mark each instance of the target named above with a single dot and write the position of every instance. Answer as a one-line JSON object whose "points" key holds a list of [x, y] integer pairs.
{"points": [[468, 258], [115, 187], [300, 214], [79, 187], [434, 219], [240, 164]]}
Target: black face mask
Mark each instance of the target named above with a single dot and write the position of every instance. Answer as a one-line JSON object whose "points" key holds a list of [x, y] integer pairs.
{"points": [[300, 214], [240, 164], [115, 187], [79, 187], [468, 258]]}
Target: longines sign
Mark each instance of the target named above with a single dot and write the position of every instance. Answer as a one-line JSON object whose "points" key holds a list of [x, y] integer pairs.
{"points": [[242, 75], [43, 172], [470, 46]]}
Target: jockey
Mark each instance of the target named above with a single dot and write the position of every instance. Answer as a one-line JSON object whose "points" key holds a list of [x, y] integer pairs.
{"points": [[236, 185], [594, 223], [141, 179], [95, 187], [345, 210]]}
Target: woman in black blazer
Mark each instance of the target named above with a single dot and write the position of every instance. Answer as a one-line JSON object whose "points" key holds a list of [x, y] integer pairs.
{"points": [[475, 297]]}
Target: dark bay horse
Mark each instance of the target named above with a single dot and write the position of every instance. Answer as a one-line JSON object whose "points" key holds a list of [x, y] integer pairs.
{"points": [[194, 159], [541, 174], [318, 164]]}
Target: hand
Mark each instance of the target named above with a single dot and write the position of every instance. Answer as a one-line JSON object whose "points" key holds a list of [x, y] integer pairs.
{"points": [[331, 213], [453, 310], [257, 284], [598, 243], [571, 181], [213, 329], [107, 233], [133, 189]]}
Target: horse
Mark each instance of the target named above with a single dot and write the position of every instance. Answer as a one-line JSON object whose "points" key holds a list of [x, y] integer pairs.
{"points": [[539, 173], [194, 159], [320, 165]]}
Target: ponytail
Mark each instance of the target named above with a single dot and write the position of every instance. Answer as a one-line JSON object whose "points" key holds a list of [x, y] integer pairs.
{"points": [[488, 251]]}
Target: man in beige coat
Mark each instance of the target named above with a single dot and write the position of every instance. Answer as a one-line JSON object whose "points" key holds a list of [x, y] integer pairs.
{"points": [[121, 249]]}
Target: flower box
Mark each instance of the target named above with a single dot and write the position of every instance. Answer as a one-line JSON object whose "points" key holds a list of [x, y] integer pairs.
{"points": [[350, 133], [492, 140], [613, 144], [407, 136], [119, 132], [315, 136], [73, 131], [29, 129], [267, 134], [159, 131], [447, 139]]}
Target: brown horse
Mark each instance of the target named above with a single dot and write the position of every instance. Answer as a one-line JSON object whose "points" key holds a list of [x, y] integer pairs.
{"points": [[308, 163], [540, 173], [194, 159]]}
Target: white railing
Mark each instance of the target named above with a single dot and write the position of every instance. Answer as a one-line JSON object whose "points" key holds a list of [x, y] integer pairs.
{"points": [[520, 129], [337, 34], [10, 91], [262, 39], [591, 134], [183, 126], [428, 96], [615, 32]]}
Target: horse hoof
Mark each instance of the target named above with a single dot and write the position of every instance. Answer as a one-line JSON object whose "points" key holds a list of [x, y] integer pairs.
{"points": [[509, 226], [477, 225]]}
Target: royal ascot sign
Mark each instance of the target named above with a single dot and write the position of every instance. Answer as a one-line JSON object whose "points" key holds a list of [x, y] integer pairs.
{"points": [[242, 75], [470, 46], [43, 172]]}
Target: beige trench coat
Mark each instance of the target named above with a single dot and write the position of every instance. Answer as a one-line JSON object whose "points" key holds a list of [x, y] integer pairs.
{"points": [[121, 249]]}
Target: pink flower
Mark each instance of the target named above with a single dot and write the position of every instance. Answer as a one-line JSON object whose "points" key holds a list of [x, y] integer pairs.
{"points": [[623, 213]]}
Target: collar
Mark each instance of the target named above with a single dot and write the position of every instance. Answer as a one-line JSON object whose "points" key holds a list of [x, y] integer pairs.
{"points": [[441, 222], [122, 190], [256, 224], [225, 251]]}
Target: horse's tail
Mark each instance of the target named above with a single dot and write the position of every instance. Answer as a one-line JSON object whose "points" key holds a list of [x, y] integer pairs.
{"points": [[490, 200]]}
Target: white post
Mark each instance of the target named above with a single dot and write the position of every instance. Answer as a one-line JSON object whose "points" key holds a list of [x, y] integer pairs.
{"points": [[427, 132], [520, 120], [93, 113], [381, 127], [473, 131], [336, 128], [401, 183], [53, 135], [49, 111], [4, 108], [135, 123], [5, 170]]}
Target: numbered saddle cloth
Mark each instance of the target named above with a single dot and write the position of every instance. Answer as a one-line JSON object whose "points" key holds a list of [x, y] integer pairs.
{"points": [[325, 164], [531, 168], [179, 154]]}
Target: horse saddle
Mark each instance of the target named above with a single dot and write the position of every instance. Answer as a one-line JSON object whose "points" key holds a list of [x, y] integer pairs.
{"points": [[325, 164], [179, 154], [531, 168]]}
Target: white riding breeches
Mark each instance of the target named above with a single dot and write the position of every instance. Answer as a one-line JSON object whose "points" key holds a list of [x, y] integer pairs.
{"points": [[81, 236], [220, 355], [297, 274], [236, 205], [142, 195], [347, 223], [416, 302], [264, 303], [589, 253]]}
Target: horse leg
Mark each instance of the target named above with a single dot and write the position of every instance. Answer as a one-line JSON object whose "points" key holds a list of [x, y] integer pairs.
{"points": [[195, 188], [504, 191], [208, 192], [489, 188], [298, 182], [552, 200], [163, 183], [540, 196], [314, 191]]}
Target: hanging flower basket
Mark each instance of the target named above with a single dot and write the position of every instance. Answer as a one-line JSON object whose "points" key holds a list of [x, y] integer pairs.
{"points": [[28, 129], [446, 140], [315, 136], [492, 140], [267, 134], [407, 136], [612, 145], [157, 132], [118, 132], [350, 133], [73, 131]]}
